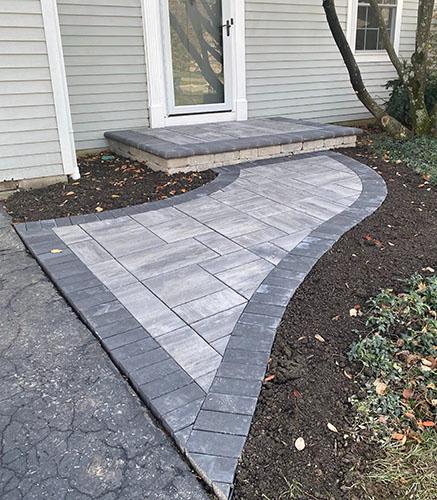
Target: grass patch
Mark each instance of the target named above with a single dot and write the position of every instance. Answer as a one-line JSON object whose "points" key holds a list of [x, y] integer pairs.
{"points": [[397, 403], [418, 153], [408, 472]]}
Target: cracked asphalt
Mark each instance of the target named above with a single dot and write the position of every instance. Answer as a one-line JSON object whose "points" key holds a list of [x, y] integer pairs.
{"points": [[70, 426]]}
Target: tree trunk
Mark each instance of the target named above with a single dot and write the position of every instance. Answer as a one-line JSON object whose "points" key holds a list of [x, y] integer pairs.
{"points": [[416, 82], [388, 123]]}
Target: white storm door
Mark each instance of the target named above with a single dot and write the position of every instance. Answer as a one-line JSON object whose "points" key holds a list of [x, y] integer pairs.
{"points": [[198, 51]]}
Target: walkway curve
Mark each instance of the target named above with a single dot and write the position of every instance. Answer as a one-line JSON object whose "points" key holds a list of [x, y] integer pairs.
{"points": [[186, 294]]}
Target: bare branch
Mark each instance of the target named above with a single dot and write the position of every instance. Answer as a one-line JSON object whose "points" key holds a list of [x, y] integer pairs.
{"points": [[388, 45], [389, 123]]}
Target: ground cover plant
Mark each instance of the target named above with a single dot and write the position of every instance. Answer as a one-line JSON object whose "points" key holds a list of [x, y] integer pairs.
{"points": [[108, 181], [398, 402], [419, 153], [316, 379]]}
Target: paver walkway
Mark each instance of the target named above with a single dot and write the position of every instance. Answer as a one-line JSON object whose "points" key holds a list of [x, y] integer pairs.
{"points": [[70, 426], [186, 295]]}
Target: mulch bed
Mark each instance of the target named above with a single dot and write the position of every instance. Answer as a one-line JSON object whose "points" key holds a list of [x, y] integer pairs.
{"points": [[107, 181], [309, 387]]}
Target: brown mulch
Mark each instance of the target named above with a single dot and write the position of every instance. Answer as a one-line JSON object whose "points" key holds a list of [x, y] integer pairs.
{"points": [[310, 387], [107, 181]]}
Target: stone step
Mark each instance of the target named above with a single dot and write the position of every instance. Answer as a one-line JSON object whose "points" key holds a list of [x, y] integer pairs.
{"points": [[200, 147]]}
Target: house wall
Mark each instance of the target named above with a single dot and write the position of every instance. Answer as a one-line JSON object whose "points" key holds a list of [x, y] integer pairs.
{"points": [[294, 68], [29, 140], [103, 47]]}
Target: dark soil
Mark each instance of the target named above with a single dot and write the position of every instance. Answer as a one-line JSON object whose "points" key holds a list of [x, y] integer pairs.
{"points": [[107, 181], [311, 386]]}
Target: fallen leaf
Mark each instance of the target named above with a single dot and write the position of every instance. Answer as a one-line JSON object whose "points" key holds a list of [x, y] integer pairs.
{"points": [[397, 436], [332, 427], [115, 196], [380, 387], [296, 394], [353, 312], [99, 209], [429, 269], [407, 393], [426, 423], [319, 337], [70, 193], [426, 362], [299, 444], [56, 250], [269, 378], [347, 375], [421, 287], [336, 318]]}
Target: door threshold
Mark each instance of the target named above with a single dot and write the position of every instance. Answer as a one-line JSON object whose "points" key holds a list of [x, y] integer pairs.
{"points": [[199, 118]]}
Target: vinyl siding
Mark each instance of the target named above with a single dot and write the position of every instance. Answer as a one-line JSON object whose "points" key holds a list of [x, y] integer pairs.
{"points": [[294, 68], [29, 141], [103, 47]]}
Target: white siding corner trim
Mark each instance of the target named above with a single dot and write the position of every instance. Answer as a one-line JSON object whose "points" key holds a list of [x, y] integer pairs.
{"points": [[155, 64], [59, 85]]}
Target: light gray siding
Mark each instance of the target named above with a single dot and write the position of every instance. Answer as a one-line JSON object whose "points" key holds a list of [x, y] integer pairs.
{"points": [[294, 68], [29, 142], [103, 47]]}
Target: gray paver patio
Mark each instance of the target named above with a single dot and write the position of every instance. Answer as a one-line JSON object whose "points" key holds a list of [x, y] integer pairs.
{"points": [[192, 289]]}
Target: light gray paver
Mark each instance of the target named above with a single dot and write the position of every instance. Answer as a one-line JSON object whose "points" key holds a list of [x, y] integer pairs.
{"points": [[187, 300]]}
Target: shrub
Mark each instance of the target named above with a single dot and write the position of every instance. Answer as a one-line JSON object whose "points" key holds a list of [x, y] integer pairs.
{"points": [[398, 104]]}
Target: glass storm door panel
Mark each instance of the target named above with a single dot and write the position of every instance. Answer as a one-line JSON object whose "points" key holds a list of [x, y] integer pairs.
{"points": [[199, 34]]}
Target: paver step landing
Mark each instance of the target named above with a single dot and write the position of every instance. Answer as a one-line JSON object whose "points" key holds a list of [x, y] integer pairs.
{"points": [[200, 147], [186, 294]]}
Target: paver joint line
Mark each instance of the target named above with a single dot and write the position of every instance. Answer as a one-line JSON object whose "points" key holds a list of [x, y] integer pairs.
{"points": [[189, 297]]}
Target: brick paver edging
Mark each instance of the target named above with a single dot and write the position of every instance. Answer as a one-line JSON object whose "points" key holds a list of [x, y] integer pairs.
{"points": [[235, 389]]}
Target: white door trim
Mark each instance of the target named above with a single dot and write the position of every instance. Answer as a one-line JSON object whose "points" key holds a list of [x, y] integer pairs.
{"points": [[61, 100], [155, 66]]}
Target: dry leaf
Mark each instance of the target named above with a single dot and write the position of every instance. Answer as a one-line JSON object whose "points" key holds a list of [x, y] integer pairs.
{"points": [[397, 436], [319, 337], [347, 375], [299, 444], [426, 362], [426, 423], [380, 387], [429, 269], [70, 193], [407, 393], [99, 209], [269, 378], [56, 250], [332, 427]]}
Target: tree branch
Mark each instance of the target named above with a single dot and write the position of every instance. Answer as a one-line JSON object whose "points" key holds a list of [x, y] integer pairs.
{"points": [[388, 45], [389, 123]]}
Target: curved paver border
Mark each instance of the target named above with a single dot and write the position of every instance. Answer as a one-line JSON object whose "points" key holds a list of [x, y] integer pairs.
{"points": [[238, 381]]}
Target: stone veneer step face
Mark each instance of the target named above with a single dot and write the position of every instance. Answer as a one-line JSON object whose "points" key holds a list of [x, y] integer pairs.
{"points": [[198, 147], [186, 294]]}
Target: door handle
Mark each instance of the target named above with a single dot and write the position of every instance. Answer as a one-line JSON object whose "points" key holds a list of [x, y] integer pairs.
{"points": [[228, 25]]}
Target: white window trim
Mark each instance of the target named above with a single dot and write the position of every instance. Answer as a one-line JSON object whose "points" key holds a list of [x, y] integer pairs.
{"points": [[155, 67], [61, 99], [351, 29]]}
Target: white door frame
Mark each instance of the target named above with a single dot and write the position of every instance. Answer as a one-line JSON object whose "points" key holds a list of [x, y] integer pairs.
{"points": [[156, 77]]}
